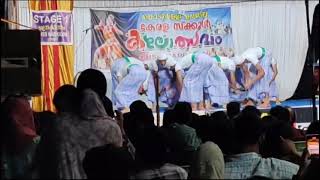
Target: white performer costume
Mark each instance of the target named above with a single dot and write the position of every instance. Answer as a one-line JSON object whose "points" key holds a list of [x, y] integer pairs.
{"points": [[217, 83], [128, 75], [254, 56], [196, 67], [169, 93]]}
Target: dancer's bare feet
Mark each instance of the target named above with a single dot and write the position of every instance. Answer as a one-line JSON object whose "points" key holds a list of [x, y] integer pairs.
{"points": [[264, 105], [248, 103], [194, 106], [201, 106]]}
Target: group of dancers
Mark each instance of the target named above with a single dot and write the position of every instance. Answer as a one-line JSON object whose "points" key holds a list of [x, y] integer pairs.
{"points": [[204, 80]]}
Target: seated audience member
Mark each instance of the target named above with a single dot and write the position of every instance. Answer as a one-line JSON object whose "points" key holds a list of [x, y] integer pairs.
{"points": [[183, 139], [310, 164], [95, 80], [208, 162], [251, 109], [281, 113], [233, 109], [141, 118], [43, 120], [151, 159], [18, 138], [168, 118], [66, 99], [219, 129], [78, 134], [278, 143], [46, 157], [108, 162], [287, 115], [247, 163]]}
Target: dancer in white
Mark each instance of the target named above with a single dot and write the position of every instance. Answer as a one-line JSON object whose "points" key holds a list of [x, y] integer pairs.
{"points": [[256, 65], [169, 72]]}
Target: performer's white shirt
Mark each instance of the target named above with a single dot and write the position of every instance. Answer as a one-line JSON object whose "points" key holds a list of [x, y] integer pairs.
{"points": [[124, 70], [227, 64], [252, 55], [170, 63], [186, 61]]}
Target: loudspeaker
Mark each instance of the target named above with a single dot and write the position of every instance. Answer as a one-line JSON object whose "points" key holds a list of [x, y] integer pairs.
{"points": [[20, 62]]}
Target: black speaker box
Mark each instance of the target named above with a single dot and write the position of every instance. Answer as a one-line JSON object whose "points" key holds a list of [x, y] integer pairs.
{"points": [[20, 62]]}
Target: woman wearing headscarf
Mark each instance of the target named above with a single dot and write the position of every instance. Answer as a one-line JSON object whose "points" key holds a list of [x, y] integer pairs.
{"points": [[93, 128], [18, 138], [95, 80]]}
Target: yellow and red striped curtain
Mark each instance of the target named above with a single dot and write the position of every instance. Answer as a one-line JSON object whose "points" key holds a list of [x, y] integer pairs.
{"points": [[57, 60]]}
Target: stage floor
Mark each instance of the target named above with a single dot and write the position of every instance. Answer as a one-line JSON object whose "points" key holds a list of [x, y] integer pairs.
{"points": [[302, 107]]}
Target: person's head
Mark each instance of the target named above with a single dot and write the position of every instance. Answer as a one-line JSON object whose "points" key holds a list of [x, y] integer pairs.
{"points": [[168, 117], [219, 129], [93, 79], [110, 19], [250, 110], [108, 162], [183, 112], [277, 135], [238, 60], [66, 99], [293, 116], [233, 109], [162, 59], [17, 123], [91, 106], [248, 131], [137, 106], [281, 113], [151, 148]]}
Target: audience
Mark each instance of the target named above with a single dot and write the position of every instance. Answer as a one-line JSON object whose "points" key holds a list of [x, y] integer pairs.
{"points": [[18, 138], [287, 115], [151, 159], [182, 139], [92, 128], [108, 162], [247, 163], [233, 109], [84, 139], [208, 163], [278, 143], [95, 80], [66, 99], [219, 129]]}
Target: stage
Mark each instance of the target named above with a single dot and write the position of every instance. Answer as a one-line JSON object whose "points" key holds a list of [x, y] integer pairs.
{"points": [[302, 107]]}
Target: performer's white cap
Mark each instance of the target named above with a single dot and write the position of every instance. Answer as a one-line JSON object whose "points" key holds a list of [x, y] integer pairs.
{"points": [[162, 57], [237, 60]]}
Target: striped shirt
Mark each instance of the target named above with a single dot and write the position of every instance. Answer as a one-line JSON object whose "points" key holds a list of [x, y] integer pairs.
{"points": [[248, 165]]}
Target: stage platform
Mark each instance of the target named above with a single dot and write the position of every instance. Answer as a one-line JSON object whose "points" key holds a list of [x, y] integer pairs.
{"points": [[302, 107]]}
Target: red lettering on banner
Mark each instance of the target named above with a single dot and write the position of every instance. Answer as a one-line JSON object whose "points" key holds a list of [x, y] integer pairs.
{"points": [[134, 41], [183, 42]]}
